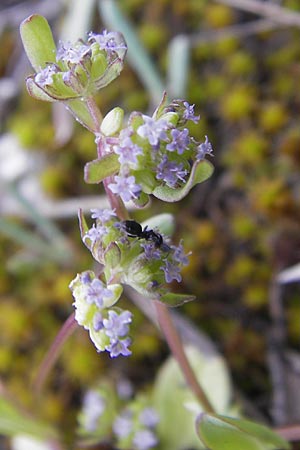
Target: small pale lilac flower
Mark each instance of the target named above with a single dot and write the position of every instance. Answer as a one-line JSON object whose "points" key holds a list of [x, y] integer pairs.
{"points": [[104, 215], [70, 79], [172, 272], [204, 149], [98, 321], [70, 53], [123, 425], [188, 114], [127, 151], [44, 77], [179, 255], [85, 278], [95, 233], [119, 347], [153, 130], [151, 251], [111, 42], [180, 141], [117, 325], [96, 292], [124, 389], [144, 440], [125, 187], [93, 408], [170, 172], [149, 417]]}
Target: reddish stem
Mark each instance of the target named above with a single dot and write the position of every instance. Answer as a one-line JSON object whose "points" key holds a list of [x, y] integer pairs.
{"points": [[175, 344], [54, 351]]}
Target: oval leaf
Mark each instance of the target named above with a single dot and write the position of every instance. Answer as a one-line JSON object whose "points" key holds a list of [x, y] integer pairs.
{"points": [[176, 404], [200, 172], [171, 299], [38, 41], [165, 223], [226, 433], [36, 92], [95, 171]]}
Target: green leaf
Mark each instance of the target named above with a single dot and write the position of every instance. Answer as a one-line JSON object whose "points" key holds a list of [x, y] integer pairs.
{"points": [[200, 172], [172, 299], [83, 226], [38, 41], [227, 433], [112, 71], [146, 178], [78, 108], [142, 201], [162, 104], [13, 422], [95, 171], [36, 92], [164, 222], [112, 255], [177, 406]]}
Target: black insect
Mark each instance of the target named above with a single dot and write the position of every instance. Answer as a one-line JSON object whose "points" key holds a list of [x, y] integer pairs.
{"points": [[134, 229]]}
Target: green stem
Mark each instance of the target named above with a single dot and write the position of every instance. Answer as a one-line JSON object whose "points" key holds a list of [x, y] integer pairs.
{"points": [[94, 112], [175, 344]]}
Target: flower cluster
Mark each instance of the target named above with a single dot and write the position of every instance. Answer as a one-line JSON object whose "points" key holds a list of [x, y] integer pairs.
{"points": [[108, 326], [131, 426], [80, 69], [136, 428], [156, 154], [146, 261], [143, 259]]}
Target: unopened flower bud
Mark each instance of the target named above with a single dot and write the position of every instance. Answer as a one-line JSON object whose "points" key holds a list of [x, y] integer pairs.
{"points": [[112, 122]]}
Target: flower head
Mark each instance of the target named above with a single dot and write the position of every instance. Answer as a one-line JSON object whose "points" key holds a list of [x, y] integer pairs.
{"points": [[116, 325], [95, 233], [149, 417], [92, 409], [188, 113], [170, 172], [119, 347], [82, 68], [97, 292], [125, 187], [153, 130], [128, 151], [123, 424], [112, 42], [45, 76], [179, 255], [103, 215], [72, 54], [204, 149], [180, 141], [144, 440], [172, 271]]}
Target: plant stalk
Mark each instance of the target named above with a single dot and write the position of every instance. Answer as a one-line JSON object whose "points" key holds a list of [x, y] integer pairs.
{"points": [[54, 351], [175, 344], [172, 337]]}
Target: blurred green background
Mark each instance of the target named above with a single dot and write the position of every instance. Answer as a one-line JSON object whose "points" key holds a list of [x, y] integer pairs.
{"points": [[242, 72]]}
